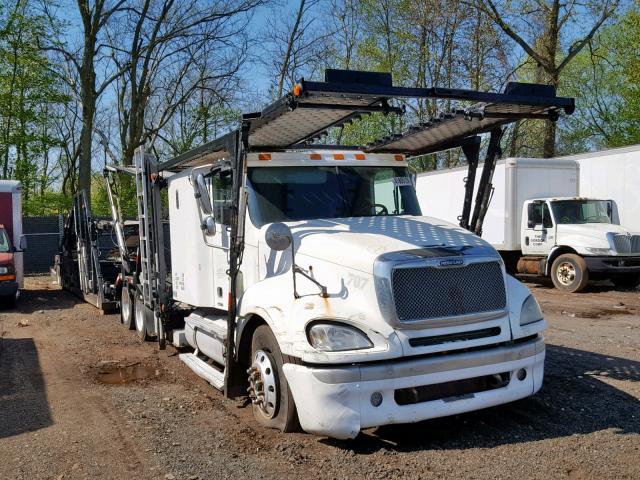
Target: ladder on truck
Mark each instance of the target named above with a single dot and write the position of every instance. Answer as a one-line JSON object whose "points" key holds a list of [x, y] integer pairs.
{"points": [[152, 278]]}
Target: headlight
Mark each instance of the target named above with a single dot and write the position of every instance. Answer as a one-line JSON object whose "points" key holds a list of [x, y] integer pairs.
{"points": [[4, 270], [600, 251], [530, 312], [335, 337]]}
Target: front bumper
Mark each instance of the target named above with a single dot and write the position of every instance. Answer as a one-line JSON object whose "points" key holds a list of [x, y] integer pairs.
{"points": [[336, 402], [613, 264], [8, 288]]}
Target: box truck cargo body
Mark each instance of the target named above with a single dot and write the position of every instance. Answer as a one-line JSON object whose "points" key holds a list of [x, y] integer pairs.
{"points": [[542, 225], [515, 180], [12, 242]]}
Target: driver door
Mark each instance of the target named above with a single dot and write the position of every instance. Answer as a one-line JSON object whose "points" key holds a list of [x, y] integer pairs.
{"points": [[539, 233], [221, 190]]}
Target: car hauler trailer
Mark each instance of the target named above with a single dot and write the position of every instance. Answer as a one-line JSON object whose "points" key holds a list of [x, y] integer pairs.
{"points": [[90, 261], [540, 223], [12, 241], [306, 275]]}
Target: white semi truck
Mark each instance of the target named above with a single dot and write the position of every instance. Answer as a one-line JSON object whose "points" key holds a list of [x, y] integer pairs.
{"points": [[540, 223], [307, 275]]}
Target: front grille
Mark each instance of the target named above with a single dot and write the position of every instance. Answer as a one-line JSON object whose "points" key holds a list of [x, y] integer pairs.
{"points": [[421, 293], [627, 243]]}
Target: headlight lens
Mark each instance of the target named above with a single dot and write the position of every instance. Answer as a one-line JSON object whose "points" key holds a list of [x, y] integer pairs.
{"points": [[4, 270], [600, 251], [530, 312], [335, 337]]}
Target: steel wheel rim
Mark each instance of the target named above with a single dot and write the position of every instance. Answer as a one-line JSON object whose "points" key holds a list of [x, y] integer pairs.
{"points": [[263, 388], [566, 273], [139, 316], [125, 305]]}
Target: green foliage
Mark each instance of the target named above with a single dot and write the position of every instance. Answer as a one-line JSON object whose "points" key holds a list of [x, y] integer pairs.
{"points": [[29, 95]]}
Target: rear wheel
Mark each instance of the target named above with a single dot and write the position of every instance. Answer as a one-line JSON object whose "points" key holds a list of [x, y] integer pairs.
{"points": [[127, 308], [141, 316], [630, 280], [569, 273], [273, 404]]}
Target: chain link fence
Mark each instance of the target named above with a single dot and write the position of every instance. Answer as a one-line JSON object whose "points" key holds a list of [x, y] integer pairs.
{"points": [[43, 240]]}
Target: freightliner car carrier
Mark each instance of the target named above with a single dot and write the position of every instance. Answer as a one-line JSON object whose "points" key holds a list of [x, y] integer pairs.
{"points": [[306, 275]]}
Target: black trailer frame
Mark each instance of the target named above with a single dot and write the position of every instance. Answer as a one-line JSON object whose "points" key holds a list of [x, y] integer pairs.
{"points": [[302, 117]]}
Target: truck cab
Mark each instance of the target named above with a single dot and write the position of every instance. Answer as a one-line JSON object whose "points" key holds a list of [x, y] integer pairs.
{"points": [[573, 239], [8, 280], [369, 313]]}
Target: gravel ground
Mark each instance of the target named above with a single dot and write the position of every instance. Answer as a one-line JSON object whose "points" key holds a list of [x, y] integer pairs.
{"points": [[62, 416]]}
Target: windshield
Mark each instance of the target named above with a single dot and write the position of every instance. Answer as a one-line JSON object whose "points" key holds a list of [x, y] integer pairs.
{"points": [[5, 245], [302, 193], [581, 211]]}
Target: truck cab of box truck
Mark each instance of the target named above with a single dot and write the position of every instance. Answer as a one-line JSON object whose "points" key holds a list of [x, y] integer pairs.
{"points": [[572, 239], [355, 310], [8, 281]]}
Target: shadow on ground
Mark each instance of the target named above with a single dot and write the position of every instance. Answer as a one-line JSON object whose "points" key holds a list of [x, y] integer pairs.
{"points": [[574, 400], [34, 300], [23, 398]]}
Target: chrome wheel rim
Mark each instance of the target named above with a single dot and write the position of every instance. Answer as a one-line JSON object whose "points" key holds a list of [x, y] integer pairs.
{"points": [[125, 305], [139, 316], [566, 273], [263, 389]]}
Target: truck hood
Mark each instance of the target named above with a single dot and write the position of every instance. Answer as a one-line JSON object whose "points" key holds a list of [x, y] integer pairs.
{"points": [[357, 242], [592, 230]]}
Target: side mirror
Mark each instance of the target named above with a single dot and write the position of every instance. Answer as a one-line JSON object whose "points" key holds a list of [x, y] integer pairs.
{"points": [[278, 237], [209, 225], [202, 194], [23, 242], [531, 224]]}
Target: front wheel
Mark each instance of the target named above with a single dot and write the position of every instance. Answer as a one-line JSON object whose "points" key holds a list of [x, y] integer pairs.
{"points": [[569, 273], [273, 404], [630, 280]]}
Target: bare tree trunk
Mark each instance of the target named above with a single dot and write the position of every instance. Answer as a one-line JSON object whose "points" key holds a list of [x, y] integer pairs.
{"points": [[287, 56]]}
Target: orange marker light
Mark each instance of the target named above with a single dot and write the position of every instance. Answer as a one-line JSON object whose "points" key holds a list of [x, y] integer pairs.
{"points": [[315, 156], [399, 158], [297, 90], [338, 156], [360, 156], [264, 156]]}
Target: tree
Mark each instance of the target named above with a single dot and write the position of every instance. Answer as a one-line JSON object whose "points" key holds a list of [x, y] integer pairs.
{"points": [[177, 50], [549, 24], [82, 62], [30, 99]]}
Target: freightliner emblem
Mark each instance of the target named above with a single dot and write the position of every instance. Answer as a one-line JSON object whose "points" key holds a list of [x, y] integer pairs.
{"points": [[452, 262]]}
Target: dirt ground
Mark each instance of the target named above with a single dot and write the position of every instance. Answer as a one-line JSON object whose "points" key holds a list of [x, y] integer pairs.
{"points": [[64, 413]]}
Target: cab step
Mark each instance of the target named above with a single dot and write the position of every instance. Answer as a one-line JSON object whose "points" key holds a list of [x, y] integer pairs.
{"points": [[203, 370]]}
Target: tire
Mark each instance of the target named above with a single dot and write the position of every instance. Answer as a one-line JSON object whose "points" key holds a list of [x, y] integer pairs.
{"points": [[141, 318], [628, 281], [8, 301], [569, 273], [266, 366], [127, 309]]}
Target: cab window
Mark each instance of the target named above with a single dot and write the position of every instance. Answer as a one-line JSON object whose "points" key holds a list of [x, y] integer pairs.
{"points": [[539, 214]]}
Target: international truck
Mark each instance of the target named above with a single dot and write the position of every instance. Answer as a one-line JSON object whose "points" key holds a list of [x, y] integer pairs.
{"points": [[305, 274], [542, 225], [12, 242]]}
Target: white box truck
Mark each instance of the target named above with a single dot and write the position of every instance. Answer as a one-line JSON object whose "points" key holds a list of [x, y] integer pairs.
{"points": [[307, 276], [540, 223], [12, 241]]}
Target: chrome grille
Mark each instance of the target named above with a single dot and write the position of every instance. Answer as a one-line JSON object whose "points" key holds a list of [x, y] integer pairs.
{"points": [[626, 243], [422, 293]]}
